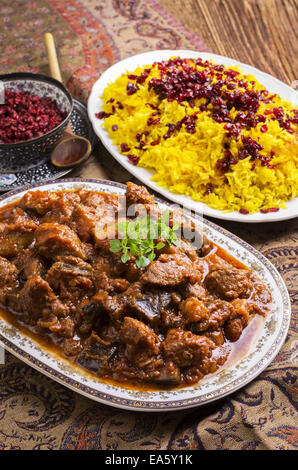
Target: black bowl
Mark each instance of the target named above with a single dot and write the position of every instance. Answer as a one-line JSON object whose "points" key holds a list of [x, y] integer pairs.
{"points": [[18, 154]]}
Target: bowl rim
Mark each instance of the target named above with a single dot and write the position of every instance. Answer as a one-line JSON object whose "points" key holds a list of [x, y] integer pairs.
{"points": [[40, 78]]}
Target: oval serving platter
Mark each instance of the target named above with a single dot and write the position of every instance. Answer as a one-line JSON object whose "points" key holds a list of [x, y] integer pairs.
{"points": [[261, 352], [95, 105]]}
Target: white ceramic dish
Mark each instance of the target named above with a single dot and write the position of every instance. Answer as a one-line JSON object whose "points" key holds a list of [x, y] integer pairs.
{"points": [[261, 352], [144, 175]]}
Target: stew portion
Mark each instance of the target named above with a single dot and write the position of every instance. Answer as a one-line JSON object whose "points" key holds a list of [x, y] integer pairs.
{"points": [[168, 324]]}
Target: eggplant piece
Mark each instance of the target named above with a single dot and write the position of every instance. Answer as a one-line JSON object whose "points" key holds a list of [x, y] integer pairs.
{"points": [[90, 313], [72, 273], [169, 374], [96, 354], [148, 306]]}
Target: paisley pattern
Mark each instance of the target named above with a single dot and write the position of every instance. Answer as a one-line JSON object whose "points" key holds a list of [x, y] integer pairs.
{"points": [[30, 406], [37, 413], [247, 420], [103, 428], [94, 34]]}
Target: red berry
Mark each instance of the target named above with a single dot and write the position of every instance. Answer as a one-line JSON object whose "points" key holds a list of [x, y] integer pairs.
{"points": [[24, 116]]}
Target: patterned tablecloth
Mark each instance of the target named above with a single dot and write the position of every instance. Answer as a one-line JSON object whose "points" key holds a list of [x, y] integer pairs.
{"points": [[38, 413]]}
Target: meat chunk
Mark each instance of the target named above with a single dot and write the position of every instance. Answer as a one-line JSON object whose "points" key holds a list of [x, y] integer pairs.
{"points": [[262, 299], [229, 284], [186, 349], [16, 233], [113, 305], [171, 318], [66, 268], [96, 199], [196, 290], [138, 195], [135, 332], [64, 327], [142, 343], [11, 242], [39, 303], [84, 220], [8, 279], [238, 319], [62, 209], [14, 215], [194, 310], [233, 329], [184, 248], [71, 277], [218, 312], [216, 336], [168, 270], [39, 201], [72, 347], [57, 240], [117, 306], [29, 263], [103, 281], [207, 247], [8, 273]]}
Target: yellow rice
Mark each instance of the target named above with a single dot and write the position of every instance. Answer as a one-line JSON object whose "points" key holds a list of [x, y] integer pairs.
{"points": [[186, 163]]}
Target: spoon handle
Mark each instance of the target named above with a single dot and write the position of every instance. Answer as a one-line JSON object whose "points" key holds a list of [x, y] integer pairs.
{"points": [[52, 56], [54, 64]]}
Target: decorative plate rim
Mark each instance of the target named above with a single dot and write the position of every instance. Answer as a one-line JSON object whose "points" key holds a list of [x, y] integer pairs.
{"points": [[171, 404], [94, 98]]}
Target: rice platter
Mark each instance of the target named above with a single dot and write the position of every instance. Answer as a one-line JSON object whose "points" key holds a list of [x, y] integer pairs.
{"points": [[208, 132]]}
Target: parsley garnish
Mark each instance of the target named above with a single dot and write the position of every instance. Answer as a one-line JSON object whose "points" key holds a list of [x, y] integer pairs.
{"points": [[138, 238]]}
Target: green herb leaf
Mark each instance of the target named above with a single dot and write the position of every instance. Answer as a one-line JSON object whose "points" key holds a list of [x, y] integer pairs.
{"points": [[138, 238], [151, 256], [160, 245], [115, 246], [142, 262], [125, 257]]}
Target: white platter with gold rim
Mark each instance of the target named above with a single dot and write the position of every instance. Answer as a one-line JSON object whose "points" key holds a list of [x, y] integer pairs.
{"points": [[130, 64], [268, 341]]}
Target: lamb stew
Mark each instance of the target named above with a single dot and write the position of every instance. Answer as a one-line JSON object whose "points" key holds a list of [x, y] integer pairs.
{"points": [[166, 324]]}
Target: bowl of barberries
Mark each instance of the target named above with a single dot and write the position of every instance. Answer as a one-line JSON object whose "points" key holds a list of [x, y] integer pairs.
{"points": [[34, 112]]}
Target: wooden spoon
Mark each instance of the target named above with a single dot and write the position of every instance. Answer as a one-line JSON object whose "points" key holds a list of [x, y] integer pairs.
{"points": [[71, 149]]}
